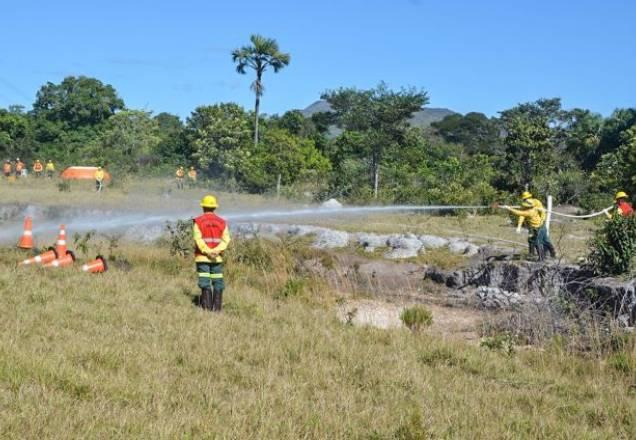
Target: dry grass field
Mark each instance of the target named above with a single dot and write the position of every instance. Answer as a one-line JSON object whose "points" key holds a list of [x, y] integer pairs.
{"points": [[125, 354]]}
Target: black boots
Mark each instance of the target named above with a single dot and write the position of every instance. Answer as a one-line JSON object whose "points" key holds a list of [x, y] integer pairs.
{"points": [[206, 299], [550, 248], [211, 301], [217, 300]]}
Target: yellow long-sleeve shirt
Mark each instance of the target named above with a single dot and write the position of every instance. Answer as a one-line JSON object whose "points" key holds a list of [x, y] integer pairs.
{"points": [[531, 216], [539, 206], [205, 249], [99, 175], [50, 166]]}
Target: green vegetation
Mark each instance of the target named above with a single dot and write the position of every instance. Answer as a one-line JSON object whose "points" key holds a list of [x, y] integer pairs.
{"points": [[416, 318], [613, 246], [364, 149]]}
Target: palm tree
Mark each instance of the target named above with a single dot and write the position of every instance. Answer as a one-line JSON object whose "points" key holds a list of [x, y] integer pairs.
{"points": [[263, 53]]}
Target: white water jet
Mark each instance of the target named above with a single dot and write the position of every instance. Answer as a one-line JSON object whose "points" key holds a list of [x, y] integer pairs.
{"points": [[118, 221]]}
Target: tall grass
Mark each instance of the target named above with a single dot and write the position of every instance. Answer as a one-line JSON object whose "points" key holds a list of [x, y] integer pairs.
{"points": [[126, 354]]}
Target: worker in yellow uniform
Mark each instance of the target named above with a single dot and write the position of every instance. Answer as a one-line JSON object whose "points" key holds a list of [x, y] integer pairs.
{"points": [[192, 177], [527, 196], [180, 174], [38, 168], [211, 237], [99, 179], [50, 169], [535, 222]]}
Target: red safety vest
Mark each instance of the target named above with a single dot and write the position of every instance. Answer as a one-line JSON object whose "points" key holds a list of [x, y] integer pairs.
{"points": [[211, 227], [626, 208]]}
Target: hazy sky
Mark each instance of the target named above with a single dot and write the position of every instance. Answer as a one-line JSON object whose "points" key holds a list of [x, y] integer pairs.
{"points": [[172, 56]]}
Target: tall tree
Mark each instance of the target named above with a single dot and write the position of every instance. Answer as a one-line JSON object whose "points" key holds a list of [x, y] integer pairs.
{"points": [[219, 136], [534, 136], [475, 131], [77, 101], [380, 115], [261, 54]]}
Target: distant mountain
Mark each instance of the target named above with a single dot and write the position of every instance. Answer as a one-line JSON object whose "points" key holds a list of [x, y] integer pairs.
{"points": [[422, 119]]}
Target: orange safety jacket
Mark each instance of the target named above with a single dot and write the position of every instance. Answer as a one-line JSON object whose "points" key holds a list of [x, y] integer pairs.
{"points": [[180, 173], [6, 168], [624, 208], [211, 227], [19, 166], [37, 167]]}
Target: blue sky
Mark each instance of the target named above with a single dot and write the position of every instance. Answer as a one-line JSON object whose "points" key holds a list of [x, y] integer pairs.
{"points": [[172, 56]]}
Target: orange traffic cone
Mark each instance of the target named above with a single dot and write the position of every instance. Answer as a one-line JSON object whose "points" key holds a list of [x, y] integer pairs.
{"points": [[26, 241], [60, 244], [98, 265], [67, 260], [44, 258]]}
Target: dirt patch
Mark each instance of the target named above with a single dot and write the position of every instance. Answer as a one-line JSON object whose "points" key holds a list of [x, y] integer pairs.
{"points": [[448, 322]]}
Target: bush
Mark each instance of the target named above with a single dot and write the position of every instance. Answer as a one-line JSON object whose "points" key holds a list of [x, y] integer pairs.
{"points": [[417, 317], [504, 343], [64, 186], [613, 246], [180, 237]]}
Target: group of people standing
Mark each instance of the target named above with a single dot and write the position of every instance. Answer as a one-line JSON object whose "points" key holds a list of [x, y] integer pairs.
{"points": [[181, 174], [18, 169]]}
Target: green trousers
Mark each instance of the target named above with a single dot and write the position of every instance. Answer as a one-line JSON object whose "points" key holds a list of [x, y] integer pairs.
{"points": [[211, 276]]}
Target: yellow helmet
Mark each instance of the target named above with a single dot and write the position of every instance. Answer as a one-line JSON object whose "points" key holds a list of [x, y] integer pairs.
{"points": [[620, 195], [526, 195], [209, 202]]}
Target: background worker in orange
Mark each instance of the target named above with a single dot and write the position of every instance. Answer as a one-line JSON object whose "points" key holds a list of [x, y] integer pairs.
{"points": [[180, 174], [7, 168], [19, 166], [38, 168], [211, 237], [622, 206], [192, 177]]}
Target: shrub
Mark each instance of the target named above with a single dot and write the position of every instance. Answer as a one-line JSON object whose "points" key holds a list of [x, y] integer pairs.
{"points": [[613, 246], [503, 343], [64, 186], [292, 287], [180, 237], [416, 317]]}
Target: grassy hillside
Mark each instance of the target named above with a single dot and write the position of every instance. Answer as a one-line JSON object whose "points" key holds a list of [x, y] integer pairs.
{"points": [[126, 354]]}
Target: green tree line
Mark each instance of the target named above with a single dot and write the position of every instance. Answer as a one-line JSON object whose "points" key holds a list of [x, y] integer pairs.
{"points": [[364, 150]]}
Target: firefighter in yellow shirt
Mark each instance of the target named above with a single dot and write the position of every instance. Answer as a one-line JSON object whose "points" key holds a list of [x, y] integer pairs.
{"points": [[99, 179], [50, 169], [211, 238], [534, 220]]}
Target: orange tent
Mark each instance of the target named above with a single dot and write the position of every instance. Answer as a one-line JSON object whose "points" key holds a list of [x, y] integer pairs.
{"points": [[82, 173]]}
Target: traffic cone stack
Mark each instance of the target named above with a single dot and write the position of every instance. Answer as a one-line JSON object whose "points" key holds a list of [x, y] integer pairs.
{"points": [[60, 244], [98, 265], [44, 258], [59, 256], [67, 260], [26, 241]]}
